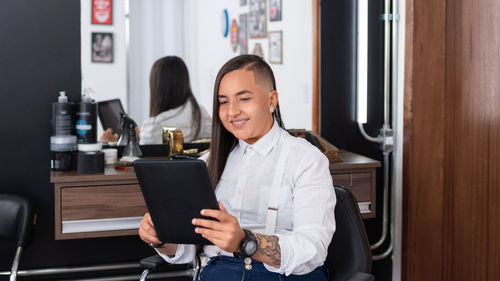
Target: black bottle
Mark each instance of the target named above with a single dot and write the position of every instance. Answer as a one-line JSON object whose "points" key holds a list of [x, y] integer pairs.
{"points": [[86, 121], [62, 116]]}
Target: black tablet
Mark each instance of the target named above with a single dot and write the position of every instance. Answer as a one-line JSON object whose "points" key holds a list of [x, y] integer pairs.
{"points": [[109, 114], [175, 191]]}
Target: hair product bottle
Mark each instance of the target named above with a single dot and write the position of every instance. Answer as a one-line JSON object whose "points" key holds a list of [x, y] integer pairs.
{"points": [[62, 116], [86, 120], [62, 140]]}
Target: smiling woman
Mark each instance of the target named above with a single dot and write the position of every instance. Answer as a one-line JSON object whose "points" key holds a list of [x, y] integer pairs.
{"points": [[276, 199]]}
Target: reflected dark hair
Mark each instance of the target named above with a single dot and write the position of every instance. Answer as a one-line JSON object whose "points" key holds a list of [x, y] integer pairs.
{"points": [[170, 88], [222, 140]]}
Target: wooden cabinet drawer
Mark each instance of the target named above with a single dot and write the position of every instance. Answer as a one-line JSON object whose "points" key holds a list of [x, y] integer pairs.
{"points": [[358, 183], [100, 202], [89, 209]]}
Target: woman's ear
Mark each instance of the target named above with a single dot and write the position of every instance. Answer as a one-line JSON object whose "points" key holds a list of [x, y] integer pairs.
{"points": [[273, 98]]}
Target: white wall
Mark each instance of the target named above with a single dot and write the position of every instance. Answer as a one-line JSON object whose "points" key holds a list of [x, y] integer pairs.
{"points": [[107, 80], [397, 159], [191, 29]]}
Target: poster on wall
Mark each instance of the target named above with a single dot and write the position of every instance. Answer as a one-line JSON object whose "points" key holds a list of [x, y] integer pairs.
{"points": [[274, 10], [102, 47], [102, 12], [257, 19], [234, 35], [242, 34], [275, 47]]}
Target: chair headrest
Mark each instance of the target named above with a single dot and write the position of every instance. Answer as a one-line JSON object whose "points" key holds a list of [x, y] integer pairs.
{"points": [[16, 218]]}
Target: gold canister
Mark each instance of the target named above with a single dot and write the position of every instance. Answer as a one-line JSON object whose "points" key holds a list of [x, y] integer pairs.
{"points": [[178, 141], [174, 139]]}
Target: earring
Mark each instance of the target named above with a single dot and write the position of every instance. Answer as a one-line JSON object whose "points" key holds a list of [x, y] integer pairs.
{"points": [[271, 109]]}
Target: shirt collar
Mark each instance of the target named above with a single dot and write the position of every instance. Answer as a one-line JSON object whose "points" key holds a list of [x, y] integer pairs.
{"points": [[265, 143]]}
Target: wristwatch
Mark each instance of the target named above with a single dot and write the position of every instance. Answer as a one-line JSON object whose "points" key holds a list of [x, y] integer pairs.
{"points": [[248, 245]]}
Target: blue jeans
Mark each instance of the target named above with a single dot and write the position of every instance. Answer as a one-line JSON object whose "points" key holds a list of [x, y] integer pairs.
{"points": [[222, 268]]}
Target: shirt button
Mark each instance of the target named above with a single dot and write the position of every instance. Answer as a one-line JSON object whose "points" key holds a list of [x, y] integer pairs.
{"points": [[251, 148], [246, 168], [239, 191]]}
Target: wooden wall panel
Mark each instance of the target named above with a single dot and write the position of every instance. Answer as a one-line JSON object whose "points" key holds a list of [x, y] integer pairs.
{"points": [[492, 75], [469, 151], [424, 141], [463, 220]]}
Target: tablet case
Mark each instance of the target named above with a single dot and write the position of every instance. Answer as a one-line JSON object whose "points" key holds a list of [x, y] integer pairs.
{"points": [[109, 113], [175, 191]]}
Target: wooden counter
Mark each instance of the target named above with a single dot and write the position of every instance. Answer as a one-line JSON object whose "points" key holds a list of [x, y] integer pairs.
{"points": [[111, 204], [358, 174]]}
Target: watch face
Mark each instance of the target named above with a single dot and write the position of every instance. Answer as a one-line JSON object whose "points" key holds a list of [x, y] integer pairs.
{"points": [[251, 247]]}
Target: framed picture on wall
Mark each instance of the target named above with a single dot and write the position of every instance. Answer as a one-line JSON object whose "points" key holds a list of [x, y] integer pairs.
{"points": [[276, 47], [257, 50], [102, 47], [274, 10], [257, 22], [102, 12], [242, 34]]}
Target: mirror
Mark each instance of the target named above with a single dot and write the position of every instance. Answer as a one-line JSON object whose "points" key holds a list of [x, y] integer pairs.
{"points": [[143, 31]]}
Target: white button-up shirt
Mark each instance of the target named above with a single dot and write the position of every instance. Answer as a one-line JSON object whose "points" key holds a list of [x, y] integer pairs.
{"points": [[305, 222]]}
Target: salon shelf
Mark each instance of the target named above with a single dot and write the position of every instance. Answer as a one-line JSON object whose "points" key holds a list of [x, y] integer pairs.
{"points": [[111, 203]]}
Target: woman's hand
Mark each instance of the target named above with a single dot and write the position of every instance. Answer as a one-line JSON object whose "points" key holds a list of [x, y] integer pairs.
{"points": [[148, 234], [225, 233], [108, 136], [147, 230]]}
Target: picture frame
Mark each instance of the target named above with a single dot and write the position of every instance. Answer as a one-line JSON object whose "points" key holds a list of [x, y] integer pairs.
{"points": [[275, 10], [276, 47], [102, 12], [257, 19], [257, 50], [102, 47], [242, 34]]}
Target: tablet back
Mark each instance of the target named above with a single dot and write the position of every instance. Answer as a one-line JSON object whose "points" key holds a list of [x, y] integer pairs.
{"points": [[175, 191]]}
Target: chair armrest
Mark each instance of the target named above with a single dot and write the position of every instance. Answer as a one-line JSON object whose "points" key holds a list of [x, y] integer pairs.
{"points": [[152, 263], [361, 276]]}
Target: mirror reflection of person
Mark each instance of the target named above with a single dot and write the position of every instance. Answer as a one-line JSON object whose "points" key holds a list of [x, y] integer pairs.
{"points": [[172, 103], [275, 191]]}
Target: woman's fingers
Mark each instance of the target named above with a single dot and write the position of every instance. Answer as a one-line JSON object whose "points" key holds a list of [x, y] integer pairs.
{"points": [[147, 231], [207, 223], [221, 207], [216, 214], [227, 241], [225, 233]]}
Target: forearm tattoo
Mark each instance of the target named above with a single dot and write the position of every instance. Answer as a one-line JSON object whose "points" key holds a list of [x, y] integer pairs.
{"points": [[269, 247]]}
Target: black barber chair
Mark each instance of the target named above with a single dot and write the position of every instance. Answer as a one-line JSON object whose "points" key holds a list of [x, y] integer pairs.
{"points": [[17, 220], [155, 263], [349, 257]]}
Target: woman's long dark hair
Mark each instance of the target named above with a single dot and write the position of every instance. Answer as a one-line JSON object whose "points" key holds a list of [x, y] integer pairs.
{"points": [[170, 88], [222, 140]]}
